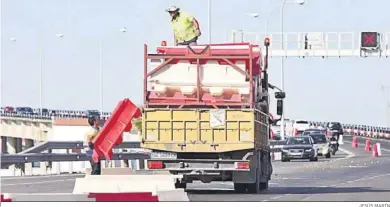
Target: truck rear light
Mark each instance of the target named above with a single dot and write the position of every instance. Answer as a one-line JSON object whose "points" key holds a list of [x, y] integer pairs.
{"points": [[155, 164], [241, 165]]}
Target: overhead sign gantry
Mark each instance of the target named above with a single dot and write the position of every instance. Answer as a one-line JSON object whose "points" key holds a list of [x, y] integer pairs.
{"points": [[322, 44]]}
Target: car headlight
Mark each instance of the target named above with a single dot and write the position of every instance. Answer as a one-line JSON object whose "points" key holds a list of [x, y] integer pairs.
{"points": [[308, 150], [283, 150]]}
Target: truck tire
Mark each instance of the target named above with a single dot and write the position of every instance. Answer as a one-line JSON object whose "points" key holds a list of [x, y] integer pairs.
{"points": [[258, 187], [240, 187]]}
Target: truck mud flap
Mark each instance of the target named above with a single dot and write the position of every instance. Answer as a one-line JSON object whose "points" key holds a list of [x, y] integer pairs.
{"points": [[111, 133]]}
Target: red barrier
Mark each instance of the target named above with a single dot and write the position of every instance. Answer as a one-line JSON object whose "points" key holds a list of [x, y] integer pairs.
{"points": [[123, 197], [111, 133], [375, 150], [368, 145], [354, 142], [5, 198]]}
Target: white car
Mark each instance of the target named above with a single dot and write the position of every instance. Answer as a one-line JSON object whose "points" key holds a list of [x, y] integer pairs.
{"points": [[300, 126], [321, 144]]}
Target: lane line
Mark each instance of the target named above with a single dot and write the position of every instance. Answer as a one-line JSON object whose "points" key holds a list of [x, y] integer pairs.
{"points": [[40, 176], [334, 185], [38, 183]]}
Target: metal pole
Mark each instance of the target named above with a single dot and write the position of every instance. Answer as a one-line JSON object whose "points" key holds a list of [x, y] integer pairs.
{"points": [[282, 133], [209, 20], [388, 113], [42, 53], [101, 75]]}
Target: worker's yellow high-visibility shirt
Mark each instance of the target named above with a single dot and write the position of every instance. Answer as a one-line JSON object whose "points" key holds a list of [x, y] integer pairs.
{"points": [[92, 131], [183, 27]]}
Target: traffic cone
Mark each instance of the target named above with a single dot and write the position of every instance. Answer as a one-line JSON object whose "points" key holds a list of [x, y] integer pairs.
{"points": [[354, 142], [375, 150], [368, 145]]}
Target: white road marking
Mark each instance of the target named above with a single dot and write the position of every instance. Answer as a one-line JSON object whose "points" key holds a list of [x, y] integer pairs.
{"points": [[40, 176], [338, 184], [37, 183]]}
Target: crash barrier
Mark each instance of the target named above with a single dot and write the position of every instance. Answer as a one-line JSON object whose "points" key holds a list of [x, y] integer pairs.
{"points": [[5, 197], [124, 197], [354, 142], [375, 149], [152, 187], [368, 145], [111, 133]]}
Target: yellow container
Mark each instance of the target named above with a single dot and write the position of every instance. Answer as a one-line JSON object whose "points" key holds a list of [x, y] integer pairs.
{"points": [[204, 130]]}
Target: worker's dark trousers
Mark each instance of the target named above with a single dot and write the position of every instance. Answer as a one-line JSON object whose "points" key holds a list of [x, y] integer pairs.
{"points": [[95, 167], [189, 42]]}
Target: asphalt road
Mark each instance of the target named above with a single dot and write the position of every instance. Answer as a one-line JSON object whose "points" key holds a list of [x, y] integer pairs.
{"points": [[344, 177]]}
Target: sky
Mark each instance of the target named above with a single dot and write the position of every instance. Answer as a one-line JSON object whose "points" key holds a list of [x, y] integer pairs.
{"points": [[342, 89]]}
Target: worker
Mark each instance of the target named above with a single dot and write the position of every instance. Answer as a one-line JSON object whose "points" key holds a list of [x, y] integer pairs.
{"points": [[91, 138], [185, 27]]}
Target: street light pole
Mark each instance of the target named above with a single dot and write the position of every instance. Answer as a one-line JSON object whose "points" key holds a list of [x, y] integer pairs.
{"points": [[123, 30], [284, 2], [209, 20], [101, 75], [41, 62]]}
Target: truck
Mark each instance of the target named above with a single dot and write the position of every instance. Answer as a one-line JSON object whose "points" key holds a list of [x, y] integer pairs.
{"points": [[205, 114]]}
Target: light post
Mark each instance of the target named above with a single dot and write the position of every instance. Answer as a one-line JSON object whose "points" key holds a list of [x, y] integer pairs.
{"points": [[301, 2], [209, 20], [41, 65], [122, 30], [385, 90]]}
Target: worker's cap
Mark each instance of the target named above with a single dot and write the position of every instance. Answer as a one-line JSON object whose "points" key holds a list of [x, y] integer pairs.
{"points": [[172, 8]]}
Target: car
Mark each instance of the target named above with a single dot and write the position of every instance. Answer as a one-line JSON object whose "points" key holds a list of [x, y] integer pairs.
{"points": [[299, 147], [335, 127], [313, 131], [94, 113], [300, 126], [321, 144]]}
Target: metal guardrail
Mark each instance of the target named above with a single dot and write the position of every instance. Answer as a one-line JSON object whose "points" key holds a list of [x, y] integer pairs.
{"points": [[35, 154], [57, 157]]}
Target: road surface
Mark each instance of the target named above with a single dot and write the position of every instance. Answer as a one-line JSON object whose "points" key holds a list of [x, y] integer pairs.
{"points": [[352, 175]]}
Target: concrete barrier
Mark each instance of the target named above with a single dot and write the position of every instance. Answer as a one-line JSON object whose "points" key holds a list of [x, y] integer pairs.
{"points": [[163, 185]]}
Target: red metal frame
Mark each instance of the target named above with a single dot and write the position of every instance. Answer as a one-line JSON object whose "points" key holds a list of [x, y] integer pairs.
{"points": [[171, 54]]}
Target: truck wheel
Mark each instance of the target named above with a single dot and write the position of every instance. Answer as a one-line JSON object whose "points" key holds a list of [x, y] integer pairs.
{"points": [[327, 155], [240, 187], [264, 186]]}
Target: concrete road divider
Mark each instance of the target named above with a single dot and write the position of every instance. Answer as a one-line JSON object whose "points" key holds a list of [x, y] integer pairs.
{"points": [[5, 197], [341, 141], [157, 185], [276, 156], [123, 197], [378, 147]]}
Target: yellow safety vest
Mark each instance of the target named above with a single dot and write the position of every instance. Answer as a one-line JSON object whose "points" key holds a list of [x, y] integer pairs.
{"points": [[183, 27]]}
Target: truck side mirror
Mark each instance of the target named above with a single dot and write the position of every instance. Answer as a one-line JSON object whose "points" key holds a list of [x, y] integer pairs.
{"points": [[280, 95], [279, 107]]}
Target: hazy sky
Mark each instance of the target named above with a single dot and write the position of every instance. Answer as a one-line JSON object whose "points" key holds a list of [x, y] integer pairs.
{"points": [[340, 89]]}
